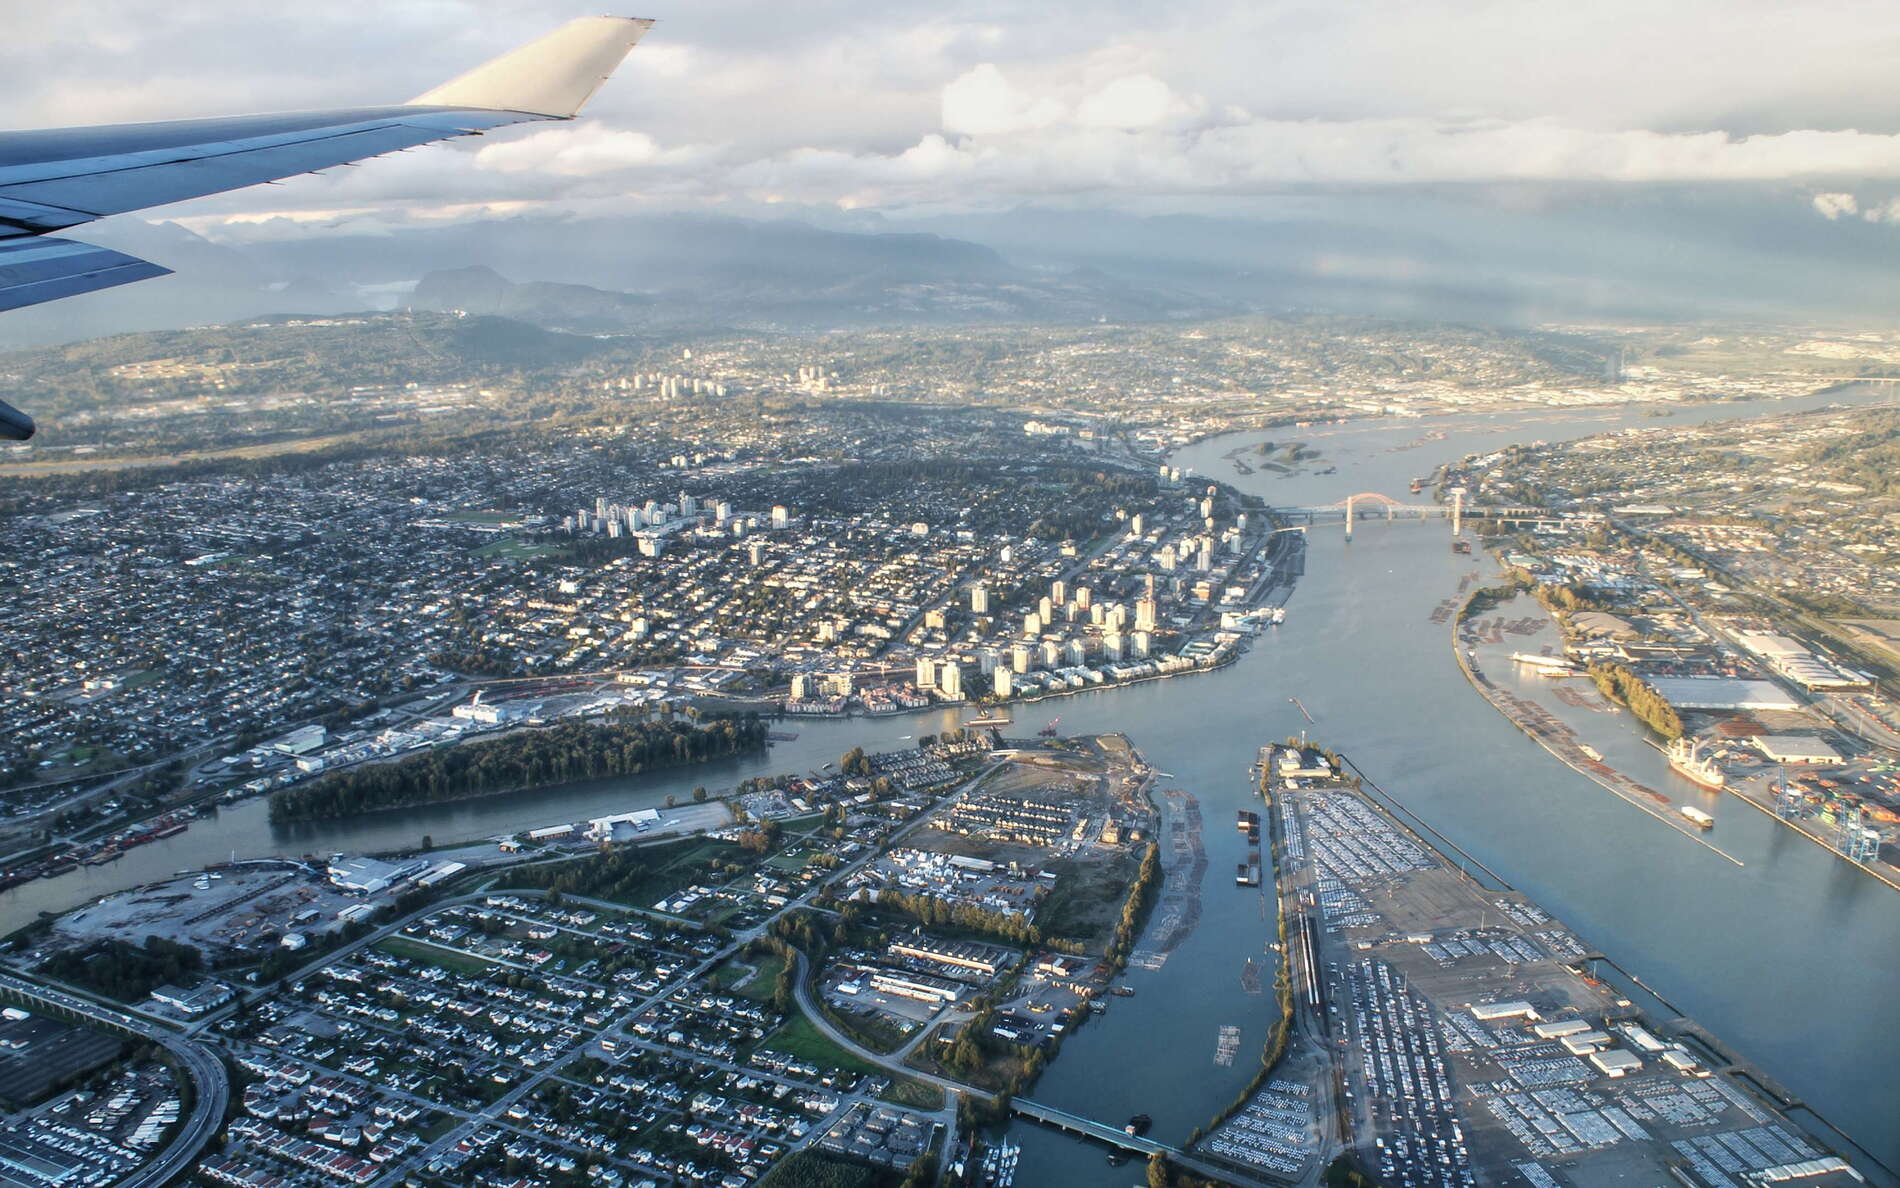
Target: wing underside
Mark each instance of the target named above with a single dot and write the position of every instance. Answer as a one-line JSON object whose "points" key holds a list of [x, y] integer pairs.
{"points": [[46, 269]]}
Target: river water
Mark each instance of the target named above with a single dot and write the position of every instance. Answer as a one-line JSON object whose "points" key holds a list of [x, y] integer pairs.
{"points": [[1789, 957]]}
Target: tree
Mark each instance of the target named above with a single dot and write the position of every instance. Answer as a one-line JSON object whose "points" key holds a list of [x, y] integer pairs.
{"points": [[699, 794], [1158, 1170]]}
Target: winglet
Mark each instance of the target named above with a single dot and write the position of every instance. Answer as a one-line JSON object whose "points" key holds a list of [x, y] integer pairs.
{"points": [[552, 76]]}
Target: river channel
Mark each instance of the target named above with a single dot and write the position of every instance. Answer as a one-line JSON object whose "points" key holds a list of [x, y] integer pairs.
{"points": [[1787, 957]]}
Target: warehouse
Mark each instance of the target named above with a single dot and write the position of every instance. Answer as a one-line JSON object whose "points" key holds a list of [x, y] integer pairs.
{"points": [[921, 987], [1491, 1012], [1617, 1062], [1722, 693], [1795, 748]]}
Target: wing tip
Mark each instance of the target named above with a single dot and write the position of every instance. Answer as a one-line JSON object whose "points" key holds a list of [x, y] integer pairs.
{"points": [[553, 76]]}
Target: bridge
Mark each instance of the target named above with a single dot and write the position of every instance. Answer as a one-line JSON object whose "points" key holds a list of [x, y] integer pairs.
{"points": [[1220, 1173], [1350, 508]]}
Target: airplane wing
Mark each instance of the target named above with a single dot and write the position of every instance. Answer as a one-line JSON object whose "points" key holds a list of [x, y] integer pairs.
{"points": [[61, 177]]}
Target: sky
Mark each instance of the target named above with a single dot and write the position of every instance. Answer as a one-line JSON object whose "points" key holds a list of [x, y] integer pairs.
{"points": [[906, 106], [1772, 123]]}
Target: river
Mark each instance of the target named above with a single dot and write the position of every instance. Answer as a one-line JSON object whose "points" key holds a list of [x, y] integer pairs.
{"points": [[1787, 957]]}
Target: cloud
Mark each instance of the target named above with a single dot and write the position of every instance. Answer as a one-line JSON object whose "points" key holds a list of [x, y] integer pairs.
{"points": [[1127, 146], [1885, 212], [1135, 101], [578, 150], [983, 103], [912, 105], [1833, 205]]}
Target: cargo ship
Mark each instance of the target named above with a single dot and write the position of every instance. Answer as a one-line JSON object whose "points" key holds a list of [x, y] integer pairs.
{"points": [[1697, 817], [991, 720], [1686, 760]]}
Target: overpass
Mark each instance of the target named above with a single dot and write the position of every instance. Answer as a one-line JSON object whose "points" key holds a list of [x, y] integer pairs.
{"points": [[210, 1087], [1220, 1173]]}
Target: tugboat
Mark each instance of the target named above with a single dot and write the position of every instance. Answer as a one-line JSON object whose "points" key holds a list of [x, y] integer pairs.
{"points": [[1686, 759]]}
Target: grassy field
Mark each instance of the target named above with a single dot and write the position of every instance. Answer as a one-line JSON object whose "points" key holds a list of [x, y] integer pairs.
{"points": [[399, 946], [814, 1169], [915, 1094], [1086, 901], [790, 861], [801, 1038], [668, 867], [760, 985], [510, 549]]}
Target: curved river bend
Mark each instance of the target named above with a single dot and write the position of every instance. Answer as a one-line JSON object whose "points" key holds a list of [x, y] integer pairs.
{"points": [[1789, 958]]}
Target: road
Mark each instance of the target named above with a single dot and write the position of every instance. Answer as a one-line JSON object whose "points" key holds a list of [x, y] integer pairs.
{"points": [[211, 1088], [739, 940], [211, 1085]]}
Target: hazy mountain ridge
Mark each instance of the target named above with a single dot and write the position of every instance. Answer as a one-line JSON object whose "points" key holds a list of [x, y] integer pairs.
{"points": [[1659, 255]]}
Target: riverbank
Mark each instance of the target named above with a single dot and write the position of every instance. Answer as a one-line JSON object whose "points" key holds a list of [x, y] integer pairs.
{"points": [[1558, 739], [1562, 742], [1747, 792]]}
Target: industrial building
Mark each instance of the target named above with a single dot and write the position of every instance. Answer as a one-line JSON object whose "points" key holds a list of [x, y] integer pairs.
{"points": [[1617, 1062], [921, 987], [301, 741], [196, 1000], [960, 955], [369, 875], [1795, 748], [1722, 693]]}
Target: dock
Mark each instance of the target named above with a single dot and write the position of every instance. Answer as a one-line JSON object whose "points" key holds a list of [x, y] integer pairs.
{"points": [[1549, 665]]}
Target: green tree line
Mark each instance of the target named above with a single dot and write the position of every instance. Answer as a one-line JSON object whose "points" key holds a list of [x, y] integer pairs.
{"points": [[124, 971], [934, 912], [525, 759], [1620, 684]]}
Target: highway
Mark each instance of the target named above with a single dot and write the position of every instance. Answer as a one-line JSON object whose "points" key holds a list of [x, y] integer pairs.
{"points": [[211, 1088]]}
